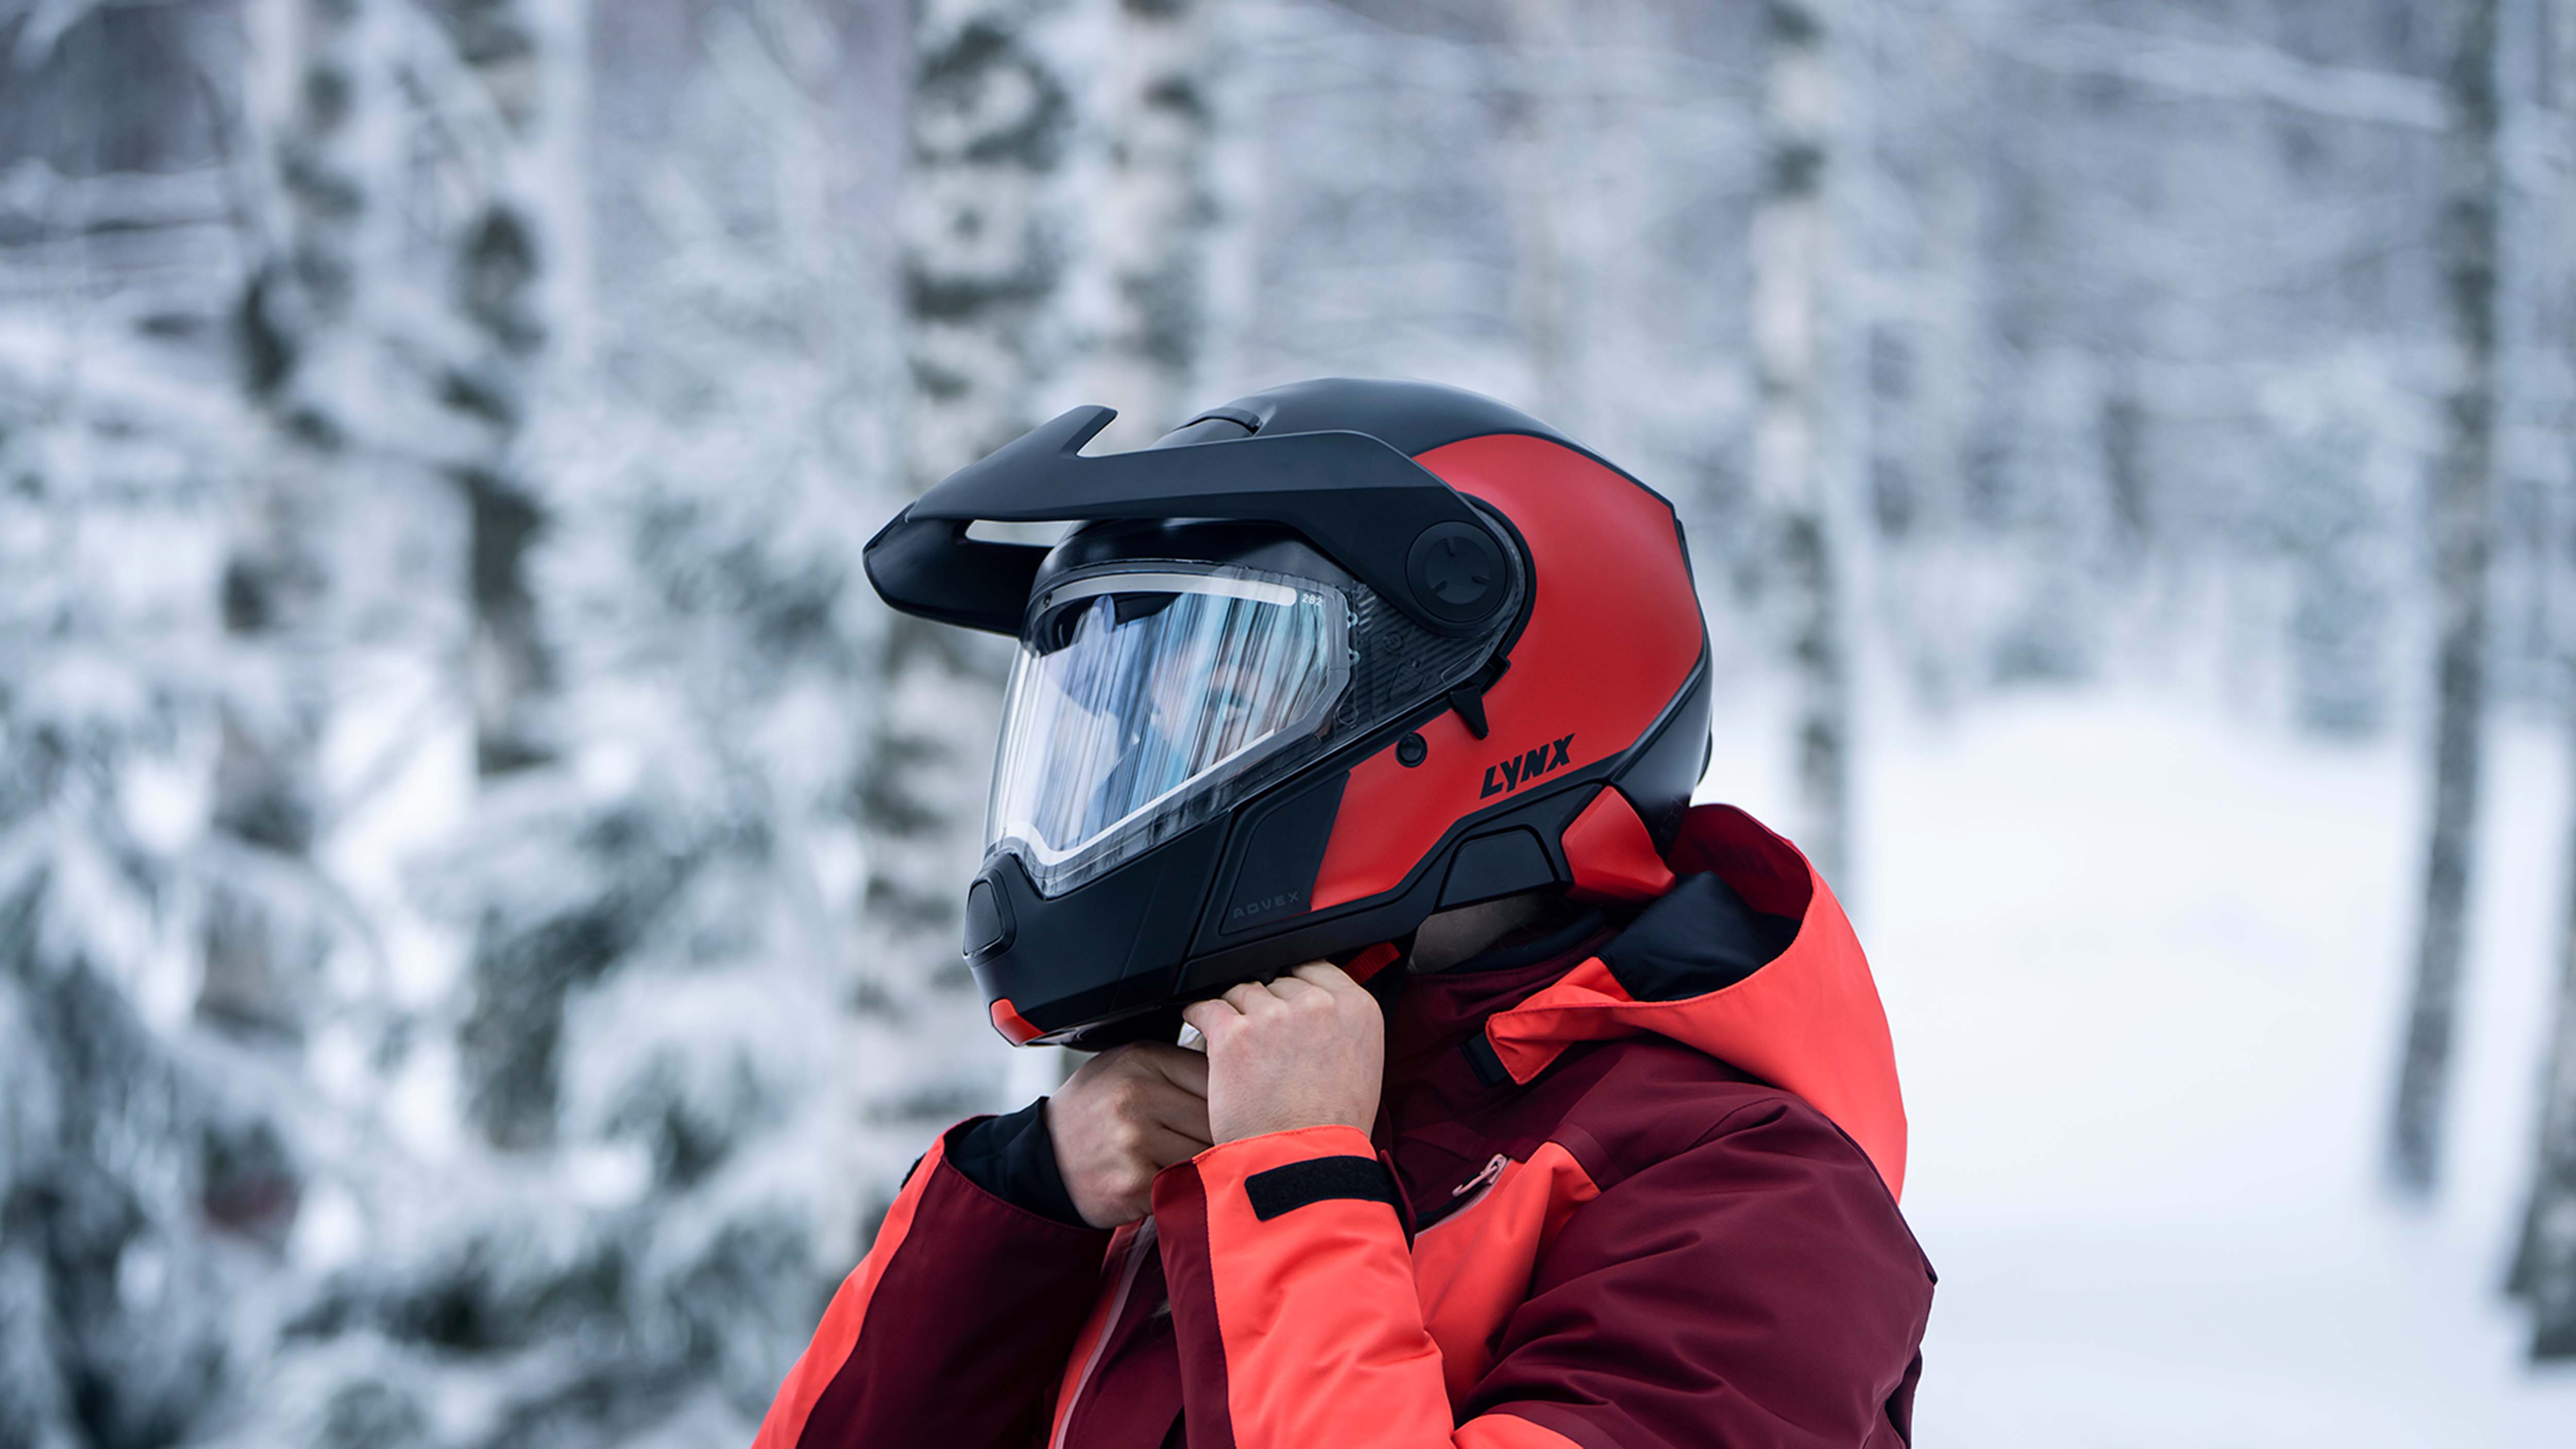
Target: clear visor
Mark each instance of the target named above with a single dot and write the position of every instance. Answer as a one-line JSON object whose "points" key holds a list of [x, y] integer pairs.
{"points": [[1140, 698]]}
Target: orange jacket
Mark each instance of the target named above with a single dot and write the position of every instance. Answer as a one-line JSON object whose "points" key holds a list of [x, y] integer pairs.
{"points": [[1641, 1193]]}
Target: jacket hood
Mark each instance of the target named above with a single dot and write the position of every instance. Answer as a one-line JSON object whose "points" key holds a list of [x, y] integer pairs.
{"points": [[1780, 991]]}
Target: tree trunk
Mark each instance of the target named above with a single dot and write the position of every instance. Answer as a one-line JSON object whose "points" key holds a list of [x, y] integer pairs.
{"points": [[1929, 371], [306, 363], [1546, 259], [133, 1140], [986, 226], [2544, 1263], [2544, 1269], [527, 60], [2469, 243], [1157, 217], [987, 232], [1790, 452], [1148, 252]]}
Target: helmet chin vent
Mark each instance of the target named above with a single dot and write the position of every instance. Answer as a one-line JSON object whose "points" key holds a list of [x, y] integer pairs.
{"points": [[1245, 421], [1214, 428], [988, 921]]}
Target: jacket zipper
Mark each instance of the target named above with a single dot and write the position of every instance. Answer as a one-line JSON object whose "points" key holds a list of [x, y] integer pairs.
{"points": [[1137, 1247], [1467, 1194]]}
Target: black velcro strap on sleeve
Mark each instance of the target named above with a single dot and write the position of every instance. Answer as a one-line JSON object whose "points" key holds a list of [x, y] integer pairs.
{"points": [[1286, 1189]]}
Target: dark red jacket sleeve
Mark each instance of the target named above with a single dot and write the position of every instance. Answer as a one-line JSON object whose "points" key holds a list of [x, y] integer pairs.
{"points": [[951, 1331], [1758, 1288]]}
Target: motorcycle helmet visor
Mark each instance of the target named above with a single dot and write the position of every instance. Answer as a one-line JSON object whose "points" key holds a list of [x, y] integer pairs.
{"points": [[1145, 701]]}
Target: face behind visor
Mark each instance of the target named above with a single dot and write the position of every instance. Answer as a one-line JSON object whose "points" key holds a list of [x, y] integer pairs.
{"points": [[1147, 699]]}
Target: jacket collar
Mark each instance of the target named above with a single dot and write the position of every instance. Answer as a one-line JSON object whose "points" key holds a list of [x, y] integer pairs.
{"points": [[1747, 957]]}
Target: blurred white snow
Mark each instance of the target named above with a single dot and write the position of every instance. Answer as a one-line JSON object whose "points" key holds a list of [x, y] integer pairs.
{"points": [[2141, 959]]}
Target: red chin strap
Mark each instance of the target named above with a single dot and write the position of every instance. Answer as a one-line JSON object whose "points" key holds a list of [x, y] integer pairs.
{"points": [[1612, 855], [1371, 961]]}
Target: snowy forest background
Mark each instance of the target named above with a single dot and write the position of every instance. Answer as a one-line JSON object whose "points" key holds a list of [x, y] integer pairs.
{"points": [[477, 868]]}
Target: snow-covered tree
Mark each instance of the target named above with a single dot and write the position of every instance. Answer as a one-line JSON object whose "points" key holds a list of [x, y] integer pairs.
{"points": [[1151, 225], [2343, 477], [989, 230], [1547, 232], [515, 262], [324, 124], [518, 257], [1929, 339], [147, 1184], [1794, 457], [646, 1182], [2544, 1269], [2461, 534]]}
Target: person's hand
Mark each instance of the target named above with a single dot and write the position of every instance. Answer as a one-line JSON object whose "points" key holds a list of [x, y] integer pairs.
{"points": [[1307, 1050], [1127, 1114]]}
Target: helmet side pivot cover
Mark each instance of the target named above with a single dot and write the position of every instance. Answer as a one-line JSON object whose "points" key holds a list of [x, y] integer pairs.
{"points": [[1323, 661]]}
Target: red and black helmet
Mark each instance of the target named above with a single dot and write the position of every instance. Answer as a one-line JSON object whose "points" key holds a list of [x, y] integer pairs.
{"points": [[1323, 661]]}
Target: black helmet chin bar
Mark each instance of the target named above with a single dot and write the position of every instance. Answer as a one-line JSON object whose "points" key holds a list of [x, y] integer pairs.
{"points": [[1367, 507]]}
